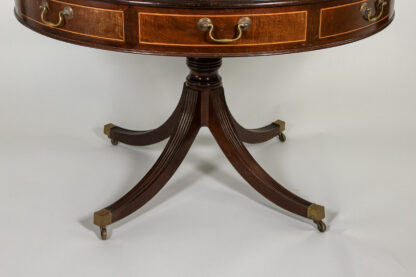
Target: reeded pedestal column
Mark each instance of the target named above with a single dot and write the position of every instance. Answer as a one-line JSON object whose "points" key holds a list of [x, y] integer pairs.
{"points": [[202, 104]]}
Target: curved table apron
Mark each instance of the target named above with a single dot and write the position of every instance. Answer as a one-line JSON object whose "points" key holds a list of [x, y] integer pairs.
{"points": [[204, 32], [170, 27]]}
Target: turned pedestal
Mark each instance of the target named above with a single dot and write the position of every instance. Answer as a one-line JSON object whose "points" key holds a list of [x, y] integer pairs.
{"points": [[202, 104]]}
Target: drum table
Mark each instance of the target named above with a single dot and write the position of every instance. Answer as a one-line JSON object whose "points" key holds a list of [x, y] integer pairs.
{"points": [[204, 31]]}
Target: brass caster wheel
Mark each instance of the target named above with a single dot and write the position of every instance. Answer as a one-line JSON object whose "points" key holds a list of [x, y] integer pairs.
{"points": [[103, 233], [114, 142], [321, 226], [282, 137]]}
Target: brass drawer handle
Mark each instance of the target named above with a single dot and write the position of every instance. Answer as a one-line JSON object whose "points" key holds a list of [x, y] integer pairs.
{"points": [[205, 24], [65, 13], [368, 12]]}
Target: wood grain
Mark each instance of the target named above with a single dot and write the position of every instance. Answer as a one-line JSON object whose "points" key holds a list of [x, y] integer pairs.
{"points": [[202, 104], [182, 30], [87, 21], [349, 15], [280, 27]]}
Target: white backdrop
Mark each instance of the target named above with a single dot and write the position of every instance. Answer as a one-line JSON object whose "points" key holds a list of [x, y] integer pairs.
{"points": [[351, 128]]}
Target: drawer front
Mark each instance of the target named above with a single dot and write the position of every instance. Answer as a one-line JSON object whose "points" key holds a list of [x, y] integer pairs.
{"points": [[87, 21], [131, 26], [182, 29], [345, 19]]}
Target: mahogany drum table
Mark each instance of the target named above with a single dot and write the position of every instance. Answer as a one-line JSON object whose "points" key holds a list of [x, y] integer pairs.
{"points": [[204, 31]]}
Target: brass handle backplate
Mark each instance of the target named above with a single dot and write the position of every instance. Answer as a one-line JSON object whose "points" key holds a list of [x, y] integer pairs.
{"points": [[67, 12], [205, 24], [368, 13]]}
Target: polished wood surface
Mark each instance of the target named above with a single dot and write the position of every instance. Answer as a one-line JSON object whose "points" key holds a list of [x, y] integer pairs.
{"points": [[352, 21], [149, 27], [101, 23], [202, 104], [171, 27], [179, 29]]}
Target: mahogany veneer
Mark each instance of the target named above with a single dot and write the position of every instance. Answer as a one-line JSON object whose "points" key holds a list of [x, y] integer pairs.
{"points": [[169, 27], [205, 31]]}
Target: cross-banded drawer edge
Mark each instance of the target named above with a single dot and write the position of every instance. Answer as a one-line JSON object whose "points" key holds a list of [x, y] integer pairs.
{"points": [[120, 13], [304, 13], [357, 15]]}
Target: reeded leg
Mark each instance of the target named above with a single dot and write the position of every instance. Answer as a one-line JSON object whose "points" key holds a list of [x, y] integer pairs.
{"points": [[261, 134], [203, 104], [221, 126], [142, 138], [173, 155]]}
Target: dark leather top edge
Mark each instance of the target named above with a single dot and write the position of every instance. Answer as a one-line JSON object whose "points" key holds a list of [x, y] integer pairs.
{"points": [[214, 4]]}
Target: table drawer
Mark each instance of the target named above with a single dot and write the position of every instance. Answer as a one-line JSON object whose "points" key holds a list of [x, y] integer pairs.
{"points": [[183, 30], [344, 19], [87, 21]]}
